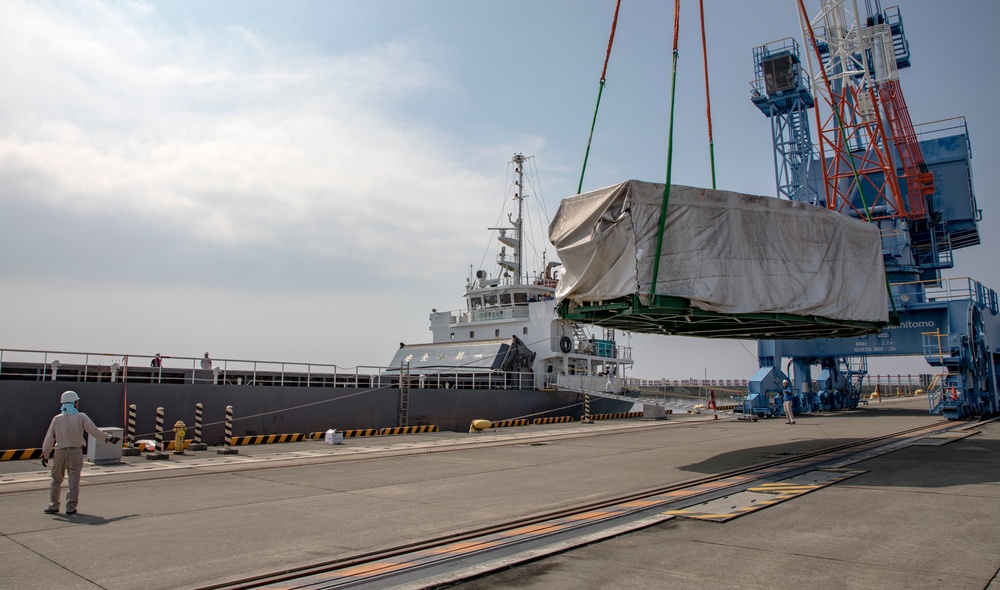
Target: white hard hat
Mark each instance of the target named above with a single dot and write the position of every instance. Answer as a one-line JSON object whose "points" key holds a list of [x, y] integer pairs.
{"points": [[68, 397], [784, 380]]}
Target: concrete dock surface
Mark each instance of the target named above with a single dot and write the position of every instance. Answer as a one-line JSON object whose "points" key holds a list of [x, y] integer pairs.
{"points": [[925, 516]]}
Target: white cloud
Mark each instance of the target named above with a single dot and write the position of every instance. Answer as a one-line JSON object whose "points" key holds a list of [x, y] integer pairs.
{"points": [[227, 141]]}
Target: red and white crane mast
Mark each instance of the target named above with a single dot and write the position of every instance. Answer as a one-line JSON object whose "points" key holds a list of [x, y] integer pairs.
{"points": [[855, 146]]}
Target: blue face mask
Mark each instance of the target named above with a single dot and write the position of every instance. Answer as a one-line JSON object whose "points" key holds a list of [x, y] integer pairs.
{"points": [[69, 408]]}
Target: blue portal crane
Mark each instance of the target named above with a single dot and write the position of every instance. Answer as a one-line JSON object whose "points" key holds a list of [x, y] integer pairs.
{"points": [[914, 182]]}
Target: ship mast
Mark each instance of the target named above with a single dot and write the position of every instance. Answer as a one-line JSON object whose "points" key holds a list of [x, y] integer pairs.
{"points": [[514, 265], [519, 222]]}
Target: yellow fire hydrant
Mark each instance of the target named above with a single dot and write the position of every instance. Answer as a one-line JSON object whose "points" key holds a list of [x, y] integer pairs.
{"points": [[180, 429]]}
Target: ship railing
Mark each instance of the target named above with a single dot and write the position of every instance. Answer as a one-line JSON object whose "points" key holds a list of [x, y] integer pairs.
{"points": [[471, 380], [56, 365], [603, 348], [623, 352], [601, 383]]}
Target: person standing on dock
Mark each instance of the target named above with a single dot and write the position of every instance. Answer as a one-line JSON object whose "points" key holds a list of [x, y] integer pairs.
{"points": [[65, 435], [788, 397]]}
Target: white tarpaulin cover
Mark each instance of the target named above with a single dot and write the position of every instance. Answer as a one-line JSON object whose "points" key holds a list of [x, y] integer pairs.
{"points": [[727, 252]]}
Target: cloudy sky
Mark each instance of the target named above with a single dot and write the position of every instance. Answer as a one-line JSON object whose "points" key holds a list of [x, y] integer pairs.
{"points": [[303, 181]]}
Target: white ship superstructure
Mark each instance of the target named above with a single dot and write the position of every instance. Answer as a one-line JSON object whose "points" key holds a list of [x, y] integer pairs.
{"points": [[509, 323]]}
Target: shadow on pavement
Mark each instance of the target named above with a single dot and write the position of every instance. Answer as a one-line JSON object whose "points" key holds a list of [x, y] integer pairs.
{"points": [[90, 519], [959, 462]]}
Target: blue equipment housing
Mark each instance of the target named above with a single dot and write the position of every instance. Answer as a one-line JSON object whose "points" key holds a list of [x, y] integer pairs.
{"points": [[953, 323]]}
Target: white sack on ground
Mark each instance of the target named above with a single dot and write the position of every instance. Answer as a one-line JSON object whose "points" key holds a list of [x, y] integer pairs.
{"points": [[727, 252]]}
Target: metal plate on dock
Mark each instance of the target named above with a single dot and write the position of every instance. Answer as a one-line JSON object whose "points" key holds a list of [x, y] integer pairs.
{"points": [[943, 438], [807, 481], [763, 495]]}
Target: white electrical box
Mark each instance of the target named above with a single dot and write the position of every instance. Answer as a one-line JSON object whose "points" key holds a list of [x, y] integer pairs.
{"points": [[333, 437], [104, 453]]}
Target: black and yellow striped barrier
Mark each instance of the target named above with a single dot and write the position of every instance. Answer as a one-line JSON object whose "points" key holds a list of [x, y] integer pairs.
{"points": [[266, 439], [616, 416], [346, 433], [257, 439], [20, 454], [263, 439], [25, 454], [407, 430], [509, 423], [554, 420], [355, 433]]}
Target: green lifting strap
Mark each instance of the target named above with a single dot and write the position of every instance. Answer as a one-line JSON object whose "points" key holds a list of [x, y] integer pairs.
{"points": [[600, 91], [586, 155], [670, 150]]}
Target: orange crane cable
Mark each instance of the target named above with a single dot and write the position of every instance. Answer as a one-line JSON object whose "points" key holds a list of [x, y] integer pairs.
{"points": [[600, 91], [677, 23], [708, 94], [611, 41]]}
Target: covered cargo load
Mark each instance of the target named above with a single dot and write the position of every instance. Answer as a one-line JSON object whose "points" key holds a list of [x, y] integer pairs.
{"points": [[726, 252]]}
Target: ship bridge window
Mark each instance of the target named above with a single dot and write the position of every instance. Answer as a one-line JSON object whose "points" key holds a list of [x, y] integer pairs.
{"points": [[520, 298], [475, 302], [490, 300], [505, 299]]}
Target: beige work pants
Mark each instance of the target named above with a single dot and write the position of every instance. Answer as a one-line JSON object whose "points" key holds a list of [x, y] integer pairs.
{"points": [[789, 415], [68, 460]]}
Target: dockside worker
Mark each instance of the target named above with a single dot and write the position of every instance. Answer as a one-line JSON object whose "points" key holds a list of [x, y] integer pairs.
{"points": [[66, 436], [788, 397]]}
